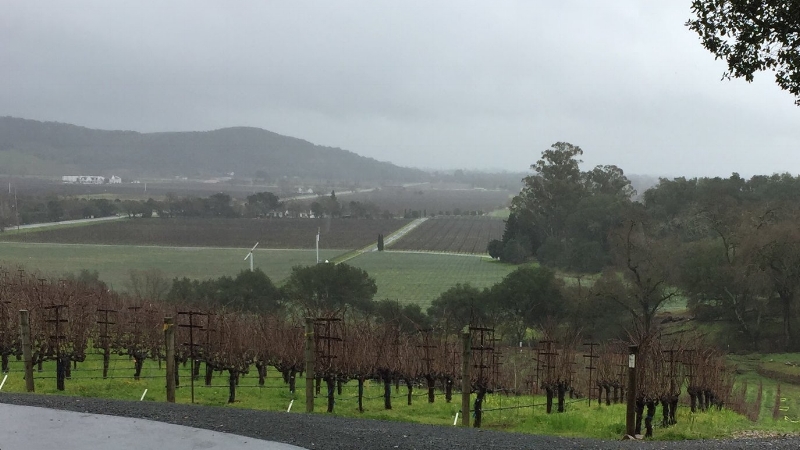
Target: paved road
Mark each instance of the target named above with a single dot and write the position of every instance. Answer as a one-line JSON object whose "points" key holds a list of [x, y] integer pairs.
{"points": [[322, 431], [338, 194], [389, 239], [27, 427], [65, 222]]}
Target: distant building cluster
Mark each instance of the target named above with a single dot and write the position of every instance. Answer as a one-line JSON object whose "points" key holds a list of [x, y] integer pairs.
{"points": [[90, 179]]}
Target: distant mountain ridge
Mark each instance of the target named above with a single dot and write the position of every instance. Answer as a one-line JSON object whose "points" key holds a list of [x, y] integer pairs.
{"points": [[56, 148]]}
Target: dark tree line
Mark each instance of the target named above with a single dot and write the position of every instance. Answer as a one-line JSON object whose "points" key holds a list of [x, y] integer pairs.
{"points": [[24, 209], [726, 247]]}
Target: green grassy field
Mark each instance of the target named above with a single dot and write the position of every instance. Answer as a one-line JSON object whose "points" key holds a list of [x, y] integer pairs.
{"points": [[579, 420], [114, 262], [408, 277], [421, 277]]}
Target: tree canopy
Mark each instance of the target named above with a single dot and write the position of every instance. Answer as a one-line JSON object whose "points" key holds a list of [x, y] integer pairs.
{"points": [[563, 215], [752, 36], [248, 291], [327, 288]]}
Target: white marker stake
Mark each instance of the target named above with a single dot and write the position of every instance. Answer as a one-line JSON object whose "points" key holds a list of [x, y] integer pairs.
{"points": [[143, 394], [456, 421], [3, 382], [290, 406]]}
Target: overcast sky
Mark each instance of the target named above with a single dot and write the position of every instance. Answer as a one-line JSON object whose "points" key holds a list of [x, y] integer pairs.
{"points": [[442, 84]]}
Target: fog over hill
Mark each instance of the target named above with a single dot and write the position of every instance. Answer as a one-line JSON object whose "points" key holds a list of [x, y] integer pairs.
{"points": [[30, 147]]}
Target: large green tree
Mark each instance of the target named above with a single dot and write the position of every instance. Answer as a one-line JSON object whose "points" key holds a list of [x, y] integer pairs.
{"points": [[408, 317], [641, 280], [779, 257], [247, 291], [460, 306], [725, 285], [563, 215], [526, 298], [549, 195], [752, 36], [262, 204], [326, 288]]}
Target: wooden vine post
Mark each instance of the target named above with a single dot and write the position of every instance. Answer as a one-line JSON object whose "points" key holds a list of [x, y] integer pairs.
{"points": [[169, 340], [25, 338], [630, 414], [466, 380], [309, 366]]}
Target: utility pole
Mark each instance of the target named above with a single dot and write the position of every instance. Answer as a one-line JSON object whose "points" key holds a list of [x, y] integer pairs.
{"points": [[16, 207]]}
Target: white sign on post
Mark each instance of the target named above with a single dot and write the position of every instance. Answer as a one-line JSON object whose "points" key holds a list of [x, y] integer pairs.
{"points": [[631, 361]]}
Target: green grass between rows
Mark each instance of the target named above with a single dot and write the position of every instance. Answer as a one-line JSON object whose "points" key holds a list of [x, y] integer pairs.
{"points": [[580, 419]]}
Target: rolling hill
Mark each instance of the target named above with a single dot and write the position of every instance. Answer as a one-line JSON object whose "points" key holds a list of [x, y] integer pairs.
{"points": [[30, 147]]}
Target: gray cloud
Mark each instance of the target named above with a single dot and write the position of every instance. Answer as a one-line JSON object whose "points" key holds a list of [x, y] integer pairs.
{"points": [[428, 84]]}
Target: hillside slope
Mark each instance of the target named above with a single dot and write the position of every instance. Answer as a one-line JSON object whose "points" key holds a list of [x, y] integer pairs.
{"points": [[49, 148]]}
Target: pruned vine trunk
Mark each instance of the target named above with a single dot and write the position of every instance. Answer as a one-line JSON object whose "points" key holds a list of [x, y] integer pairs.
{"points": [[478, 406], [360, 394], [431, 388], [138, 362], [562, 390], [61, 372], [639, 414], [209, 374], [330, 383], [673, 408], [293, 380], [233, 380], [106, 360], [196, 369], [261, 368], [387, 392], [648, 421]]}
